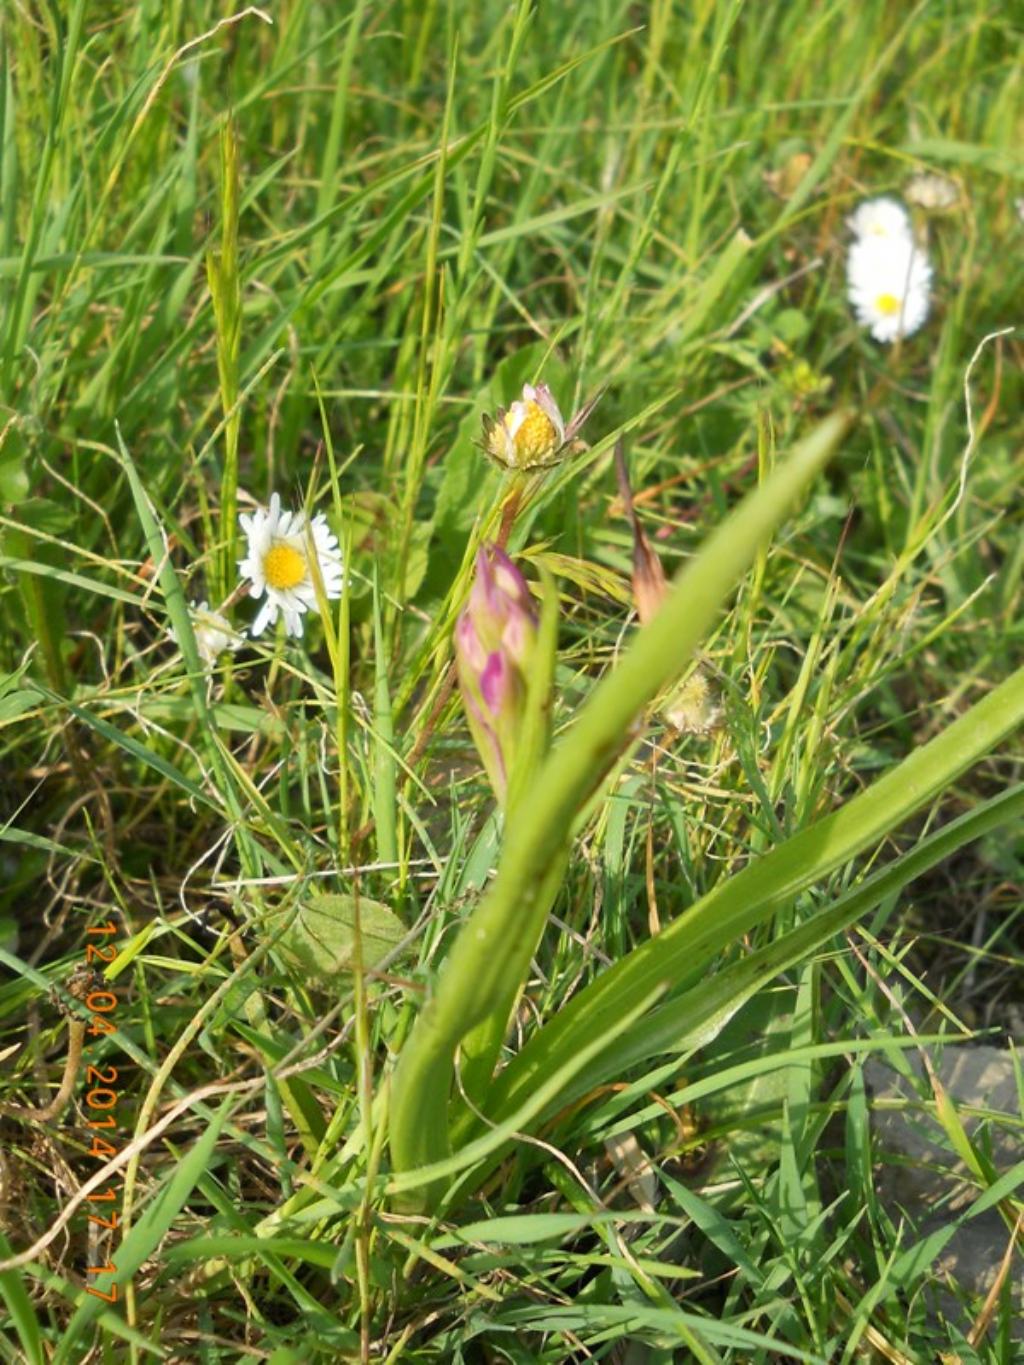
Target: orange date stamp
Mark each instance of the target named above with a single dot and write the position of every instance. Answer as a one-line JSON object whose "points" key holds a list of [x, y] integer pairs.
{"points": [[101, 1099]]}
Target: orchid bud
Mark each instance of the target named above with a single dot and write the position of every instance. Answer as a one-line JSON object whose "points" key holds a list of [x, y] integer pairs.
{"points": [[495, 643], [693, 708], [650, 587]]}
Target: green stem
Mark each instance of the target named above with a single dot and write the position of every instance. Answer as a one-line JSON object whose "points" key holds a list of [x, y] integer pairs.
{"points": [[226, 294]]}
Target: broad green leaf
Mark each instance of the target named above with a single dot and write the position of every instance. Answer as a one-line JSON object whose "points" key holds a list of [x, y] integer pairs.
{"points": [[1001, 162], [322, 937], [228, 716], [695, 1017], [14, 481], [15, 704]]}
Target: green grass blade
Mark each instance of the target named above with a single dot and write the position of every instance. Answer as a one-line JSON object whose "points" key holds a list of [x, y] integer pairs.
{"points": [[145, 1236], [224, 280], [385, 787], [19, 1307]]}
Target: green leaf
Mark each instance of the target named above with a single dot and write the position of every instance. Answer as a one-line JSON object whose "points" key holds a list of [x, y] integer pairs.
{"points": [[15, 704], [1001, 162], [695, 1017], [46, 515], [321, 939], [11, 835], [234, 1248], [234, 717], [792, 325], [73, 580], [418, 559], [19, 1306], [531, 1228], [14, 481]]}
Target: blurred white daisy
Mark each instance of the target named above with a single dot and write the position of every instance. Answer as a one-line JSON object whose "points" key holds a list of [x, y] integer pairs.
{"points": [[929, 190], [884, 219], [278, 563], [214, 633], [889, 286]]}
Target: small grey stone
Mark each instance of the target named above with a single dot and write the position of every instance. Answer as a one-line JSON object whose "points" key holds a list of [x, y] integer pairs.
{"points": [[925, 1172]]}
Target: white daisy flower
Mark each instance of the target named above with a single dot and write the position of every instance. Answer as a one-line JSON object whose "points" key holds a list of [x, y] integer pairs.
{"points": [[889, 285], [530, 434], [278, 564], [533, 434], [884, 218], [214, 633]]}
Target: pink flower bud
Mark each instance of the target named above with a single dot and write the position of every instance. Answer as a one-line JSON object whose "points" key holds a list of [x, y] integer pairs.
{"points": [[495, 638]]}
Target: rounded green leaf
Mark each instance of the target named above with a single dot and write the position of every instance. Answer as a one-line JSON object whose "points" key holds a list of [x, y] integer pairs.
{"points": [[322, 937]]}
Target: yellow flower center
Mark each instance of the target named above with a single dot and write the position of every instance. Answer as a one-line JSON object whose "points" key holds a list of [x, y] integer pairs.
{"points": [[536, 437], [283, 566], [888, 304]]}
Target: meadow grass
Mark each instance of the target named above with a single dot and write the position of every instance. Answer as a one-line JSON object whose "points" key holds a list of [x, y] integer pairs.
{"points": [[305, 249]]}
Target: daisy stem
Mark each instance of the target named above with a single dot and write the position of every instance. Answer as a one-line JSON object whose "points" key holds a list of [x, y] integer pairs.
{"points": [[341, 687], [225, 291], [336, 638]]}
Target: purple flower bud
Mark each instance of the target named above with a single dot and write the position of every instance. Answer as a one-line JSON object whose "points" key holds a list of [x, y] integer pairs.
{"points": [[495, 682], [494, 642]]}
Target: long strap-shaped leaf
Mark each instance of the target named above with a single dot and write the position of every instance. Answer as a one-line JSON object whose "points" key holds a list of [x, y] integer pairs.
{"points": [[491, 955], [693, 1018], [751, 896]]}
